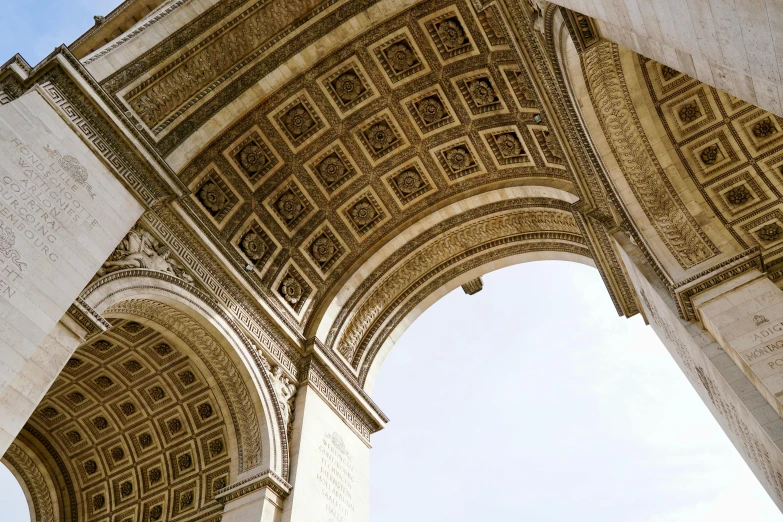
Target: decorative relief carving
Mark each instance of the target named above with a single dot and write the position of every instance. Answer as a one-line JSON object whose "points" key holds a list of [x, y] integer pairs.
{"points": [[286, 396], [507, 147], [447, 30], [213, 194], [348, 87], [256, 244], [364, 213], [253, 157], [106, 434], [480, 93], [400, 58], [380, 135], [586, 31], [34, 481], [473, 286], [689, 112], [494, 29], [333, 169], [160, 99], [298, 120], [140, 249], [217, 361], [668, 74], [409, 182], [290, 206], [223, 290], [524, 95], [341, 402], [450, 244], [458, 160], [677, 229], [146, 186], [293, 288], [431, 111], [324, 249]]}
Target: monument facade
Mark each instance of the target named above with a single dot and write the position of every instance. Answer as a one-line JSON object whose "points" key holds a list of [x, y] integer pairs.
{"points": [[218, 216]]}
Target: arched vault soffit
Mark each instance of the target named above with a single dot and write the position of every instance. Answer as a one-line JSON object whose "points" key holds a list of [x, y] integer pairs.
{"points": [[149, 419], [239, 369], [334, 141], [697, 171], [475, 235]]}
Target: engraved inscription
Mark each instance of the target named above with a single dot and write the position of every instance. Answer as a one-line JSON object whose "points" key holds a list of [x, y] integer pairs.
{"points": [[37, 200], [336, 477]]}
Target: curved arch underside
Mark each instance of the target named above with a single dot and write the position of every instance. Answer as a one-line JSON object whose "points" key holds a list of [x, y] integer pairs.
{"points": [[317, 173], [310, 135], [134, 427]]}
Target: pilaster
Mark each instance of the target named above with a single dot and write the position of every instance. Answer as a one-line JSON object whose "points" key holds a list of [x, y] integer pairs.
{"points": [[62, 213]]}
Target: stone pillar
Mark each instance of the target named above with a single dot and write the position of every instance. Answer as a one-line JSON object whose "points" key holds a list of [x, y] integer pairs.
{"points": [[745, 315], [62, 213], [330, 465], [261, 505], [719, 389]]}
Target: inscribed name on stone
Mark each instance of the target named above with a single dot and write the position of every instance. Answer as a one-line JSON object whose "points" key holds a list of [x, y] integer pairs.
{"points": [[62, 213]]}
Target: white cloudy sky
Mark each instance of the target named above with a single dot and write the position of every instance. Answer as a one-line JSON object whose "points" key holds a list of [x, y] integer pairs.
{"points": [[530, 401]]}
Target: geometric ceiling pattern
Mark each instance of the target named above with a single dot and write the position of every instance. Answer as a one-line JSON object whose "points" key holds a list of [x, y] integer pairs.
{"points": [[731, 150], [138, 429], [431, 104]]}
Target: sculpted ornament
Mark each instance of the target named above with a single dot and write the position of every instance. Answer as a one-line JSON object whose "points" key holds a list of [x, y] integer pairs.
{"points": [[509, 145], [289, 206], [710, 155], [332, 169], [140, 249], [253, 246], [323, 249], [669, 73], [738, 195], [212, 197], [286, 391], [458, 159], [647, 180], [348, 87], [770, 232], [7, 241], [70, 165], [451, 34], [431, 109], [252, 158], [409, 181], [298, 120], [690, 112], [291, 290], [380, 136], [764, 129], [363, 213], [401, 57], [482, 92]]}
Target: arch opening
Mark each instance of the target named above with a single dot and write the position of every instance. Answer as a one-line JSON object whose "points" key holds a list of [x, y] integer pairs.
{"points": [[17, 502], [551, 417]]}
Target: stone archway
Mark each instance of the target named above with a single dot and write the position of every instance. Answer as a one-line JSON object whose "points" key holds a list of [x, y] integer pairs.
{"points": [[313, 174], [152, 418]]}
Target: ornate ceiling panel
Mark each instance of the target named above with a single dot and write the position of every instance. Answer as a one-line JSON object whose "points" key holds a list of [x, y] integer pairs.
{"points": [[731, 150], [139, 428], [415, 112]]}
